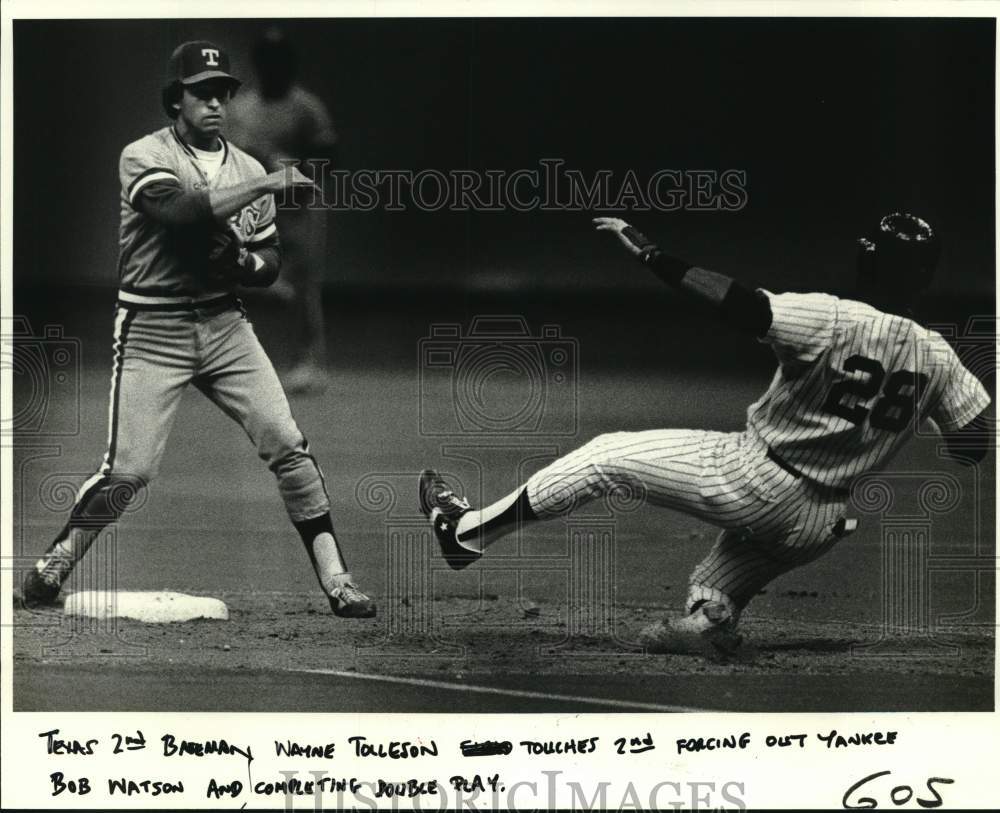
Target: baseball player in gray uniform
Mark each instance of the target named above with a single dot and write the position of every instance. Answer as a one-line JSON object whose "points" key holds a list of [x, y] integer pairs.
{"points": [[197, 220], [854, 380]]}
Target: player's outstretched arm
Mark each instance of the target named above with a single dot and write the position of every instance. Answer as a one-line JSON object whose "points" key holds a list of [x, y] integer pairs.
{"points": [[738, 304], [229, 200], [167, 203]]}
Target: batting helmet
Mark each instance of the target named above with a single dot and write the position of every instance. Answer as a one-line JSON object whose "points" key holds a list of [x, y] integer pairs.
{"points": [[903, 249], [191, 63]]}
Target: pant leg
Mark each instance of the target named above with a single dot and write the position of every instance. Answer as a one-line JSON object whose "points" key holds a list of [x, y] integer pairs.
{"points": [[742, 561], [152, 365], [237, 375], [704, 474], [772, 521]]}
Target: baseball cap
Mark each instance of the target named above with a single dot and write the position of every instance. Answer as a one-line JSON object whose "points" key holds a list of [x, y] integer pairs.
{"points": [[197, 61]]}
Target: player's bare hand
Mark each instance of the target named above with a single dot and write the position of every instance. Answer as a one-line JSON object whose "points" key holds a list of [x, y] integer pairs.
{"points": [[615, 224], [634, 241], [291, 177], [228, 256], [296, 177]]}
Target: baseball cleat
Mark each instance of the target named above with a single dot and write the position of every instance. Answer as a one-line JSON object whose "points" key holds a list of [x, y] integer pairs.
{"points": [[709, 629], [40, 589], [440, 505], [347, 601]]}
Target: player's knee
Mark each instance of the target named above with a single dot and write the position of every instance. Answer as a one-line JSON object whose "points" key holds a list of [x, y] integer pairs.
{"points": [[280, 445]]}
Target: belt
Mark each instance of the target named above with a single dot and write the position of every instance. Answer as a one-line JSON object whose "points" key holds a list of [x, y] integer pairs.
{"points": [[783, 464], [151, 303]]}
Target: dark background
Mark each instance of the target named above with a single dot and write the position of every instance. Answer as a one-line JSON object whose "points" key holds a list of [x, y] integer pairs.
{"points": [[834, 121]]}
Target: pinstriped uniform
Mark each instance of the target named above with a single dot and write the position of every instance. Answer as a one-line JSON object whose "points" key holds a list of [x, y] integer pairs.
{"points": [[851, 384], [850, 380]]}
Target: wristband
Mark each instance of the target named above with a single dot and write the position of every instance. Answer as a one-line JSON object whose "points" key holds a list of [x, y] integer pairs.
{"points": [[252, 266], [670, 269], [639, 240]]}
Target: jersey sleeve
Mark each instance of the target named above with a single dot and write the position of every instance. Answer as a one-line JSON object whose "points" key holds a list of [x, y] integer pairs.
{"points": [[142, 164], [802, 325], [963, 396], [265, 231]]}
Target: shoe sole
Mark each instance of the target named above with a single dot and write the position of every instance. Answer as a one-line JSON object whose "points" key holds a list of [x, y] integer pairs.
{"points": [[354, 611], [353, 614], [424, 485]]}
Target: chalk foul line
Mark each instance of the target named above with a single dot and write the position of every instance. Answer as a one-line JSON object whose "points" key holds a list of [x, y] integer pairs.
{"points": [[495, 690]]}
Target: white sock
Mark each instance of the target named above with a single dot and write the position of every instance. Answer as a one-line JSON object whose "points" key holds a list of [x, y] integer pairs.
{"points": [[65, 553], [330, 566]]}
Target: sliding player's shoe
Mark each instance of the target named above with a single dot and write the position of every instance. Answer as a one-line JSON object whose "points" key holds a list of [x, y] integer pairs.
{"points": [[440, 505], [709, 629]]}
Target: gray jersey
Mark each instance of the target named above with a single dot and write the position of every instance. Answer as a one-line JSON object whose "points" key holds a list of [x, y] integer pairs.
{"points": [[157, 263]]}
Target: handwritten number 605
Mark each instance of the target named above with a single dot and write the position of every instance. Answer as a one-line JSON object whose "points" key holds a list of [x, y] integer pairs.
{"points": [[900, 795], [892, 411]]}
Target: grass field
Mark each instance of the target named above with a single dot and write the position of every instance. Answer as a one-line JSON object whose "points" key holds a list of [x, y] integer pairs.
{"points": [[547, 621]]}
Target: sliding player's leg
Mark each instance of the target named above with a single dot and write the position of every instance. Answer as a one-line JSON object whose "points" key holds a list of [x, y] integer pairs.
{"points": [[704, 474], [803, 526]]}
